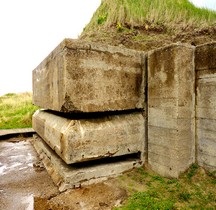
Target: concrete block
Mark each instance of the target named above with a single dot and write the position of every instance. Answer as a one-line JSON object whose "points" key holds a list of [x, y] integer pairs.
{"points": [[169, 71], [206, 56], [77, 175], [206, 103], [78, 140], [171, 109], [87, 77]]}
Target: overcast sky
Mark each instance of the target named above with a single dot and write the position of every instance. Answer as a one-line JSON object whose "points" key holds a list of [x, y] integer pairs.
{"points": [[211, 4], [31, 29]]}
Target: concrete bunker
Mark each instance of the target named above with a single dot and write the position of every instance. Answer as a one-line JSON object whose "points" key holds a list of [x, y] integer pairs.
{"points": [[124, 107]]}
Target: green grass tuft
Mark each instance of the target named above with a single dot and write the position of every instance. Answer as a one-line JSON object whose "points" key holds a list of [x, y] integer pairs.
{"points": [[192, 170], [101, 19]]}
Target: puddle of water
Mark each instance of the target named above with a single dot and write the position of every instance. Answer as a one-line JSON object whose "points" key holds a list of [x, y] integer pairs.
{"points": [[29, 157], [27, 202], [7, 169], [2, 169], [13, 160], [19, 182], [30, 165], [17, 201], [23, 168]]}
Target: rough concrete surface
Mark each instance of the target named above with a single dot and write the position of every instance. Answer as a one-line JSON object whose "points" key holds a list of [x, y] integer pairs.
{"points": [[171, 109], [76, 175], [26, 185], [86, 77], [78, 140], [206, 103]]}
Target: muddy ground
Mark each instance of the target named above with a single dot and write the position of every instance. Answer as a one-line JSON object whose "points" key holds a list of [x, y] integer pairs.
{"points": [[25, 184]]}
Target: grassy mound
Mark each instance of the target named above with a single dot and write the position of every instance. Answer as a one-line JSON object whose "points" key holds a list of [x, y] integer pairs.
{"points": [[169, 13], [136, 24], [16, 110]]}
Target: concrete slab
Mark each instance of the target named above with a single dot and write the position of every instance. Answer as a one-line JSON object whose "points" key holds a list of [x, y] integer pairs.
{"points": [[4, 133], [87, 77], [206, 103], [171, 109], [78, 140], [72, 176]]}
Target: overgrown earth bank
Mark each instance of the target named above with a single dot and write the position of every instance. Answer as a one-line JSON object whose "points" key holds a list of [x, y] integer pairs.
{"points": [[146, 25]]}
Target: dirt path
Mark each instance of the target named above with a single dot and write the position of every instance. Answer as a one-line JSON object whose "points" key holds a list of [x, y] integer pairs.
{"points": [[25, 184]]}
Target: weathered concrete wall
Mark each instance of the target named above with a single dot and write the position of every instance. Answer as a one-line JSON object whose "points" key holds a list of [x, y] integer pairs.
{"points": [[81, 140], [171, 109], [86, 77], [206, 105]]}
